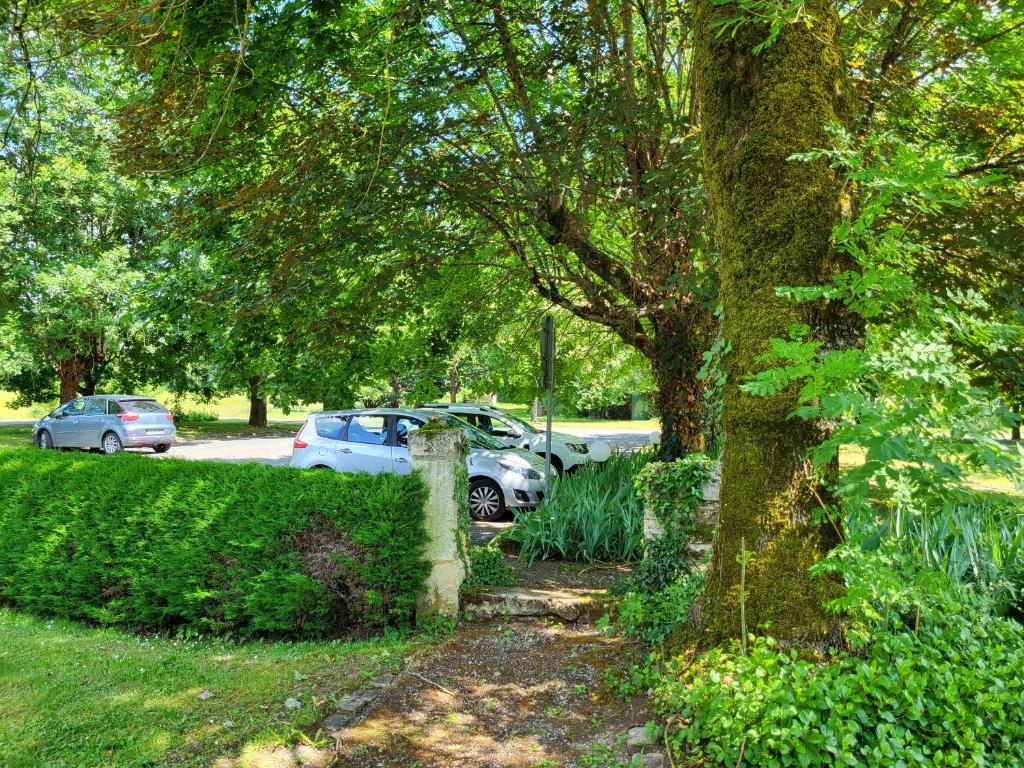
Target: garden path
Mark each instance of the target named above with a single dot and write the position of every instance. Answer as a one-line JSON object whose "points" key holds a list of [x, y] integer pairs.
{"points": [[499, 694]]}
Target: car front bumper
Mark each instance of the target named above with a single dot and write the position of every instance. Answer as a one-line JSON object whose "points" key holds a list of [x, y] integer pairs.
{"points": [[521, 492]]}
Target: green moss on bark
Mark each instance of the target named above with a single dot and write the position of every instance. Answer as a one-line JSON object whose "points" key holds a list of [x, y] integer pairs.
{"points": [[773, 219]]}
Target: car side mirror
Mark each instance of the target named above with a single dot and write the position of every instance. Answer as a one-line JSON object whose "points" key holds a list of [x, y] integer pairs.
{"points": [[501, 433]]}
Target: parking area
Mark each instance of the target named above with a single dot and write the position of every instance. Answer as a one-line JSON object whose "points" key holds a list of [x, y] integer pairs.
{"points": [[278, 450]]}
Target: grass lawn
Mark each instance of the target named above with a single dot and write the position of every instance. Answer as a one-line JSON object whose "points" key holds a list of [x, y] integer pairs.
{"points": [[17, 436], [78, 697]]}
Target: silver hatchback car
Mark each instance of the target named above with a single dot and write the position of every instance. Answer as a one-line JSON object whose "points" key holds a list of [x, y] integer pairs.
{"points": [[107, 423], [376, 440]]}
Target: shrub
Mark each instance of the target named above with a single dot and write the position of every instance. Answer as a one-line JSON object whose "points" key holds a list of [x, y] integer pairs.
{"points": [[592, 515], [948, 694], [488, 568], [193, 417], [651, 616], [208, 546]]}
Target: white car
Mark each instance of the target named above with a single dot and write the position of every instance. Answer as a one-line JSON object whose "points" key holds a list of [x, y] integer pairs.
{"points": [[568, 452], [376, 440]]}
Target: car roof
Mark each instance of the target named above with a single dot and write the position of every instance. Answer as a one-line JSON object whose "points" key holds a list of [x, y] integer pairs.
{"points": [[118, 397], [460, 406], [374, 412]]}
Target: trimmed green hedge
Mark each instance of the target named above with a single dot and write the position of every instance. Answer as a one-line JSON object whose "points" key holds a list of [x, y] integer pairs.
{"points": [[209, 546]]}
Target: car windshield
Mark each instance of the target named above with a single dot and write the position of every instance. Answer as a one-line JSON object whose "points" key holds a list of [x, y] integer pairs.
{"points": [[526, 427], [474, 436]]}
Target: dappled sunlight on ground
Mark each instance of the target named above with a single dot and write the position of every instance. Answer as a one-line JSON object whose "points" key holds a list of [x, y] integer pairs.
{"points": [[498, 695]]}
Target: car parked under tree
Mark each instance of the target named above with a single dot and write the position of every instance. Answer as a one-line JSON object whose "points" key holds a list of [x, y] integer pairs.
{"points": [[108, 423]]}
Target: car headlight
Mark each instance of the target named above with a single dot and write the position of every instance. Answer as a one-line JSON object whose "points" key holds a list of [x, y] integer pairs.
{"points": [[577, 447], [528, 473]]}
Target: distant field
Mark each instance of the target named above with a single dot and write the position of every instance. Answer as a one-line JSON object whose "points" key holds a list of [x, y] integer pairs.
{"points": [[237, 407], [609, 425]]}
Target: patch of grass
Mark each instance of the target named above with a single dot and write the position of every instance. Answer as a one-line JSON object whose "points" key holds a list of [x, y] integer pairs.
{"points": [[851, 456], [15, 436], [74, 696]]}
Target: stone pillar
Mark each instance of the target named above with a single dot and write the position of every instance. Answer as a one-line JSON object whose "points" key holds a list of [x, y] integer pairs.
{"points": [[706, 512], [437, 452], [712, 491], [653, 529]]}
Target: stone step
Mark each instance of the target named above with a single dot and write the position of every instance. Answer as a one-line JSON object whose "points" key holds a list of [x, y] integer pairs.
{"points": [[518, 601]]}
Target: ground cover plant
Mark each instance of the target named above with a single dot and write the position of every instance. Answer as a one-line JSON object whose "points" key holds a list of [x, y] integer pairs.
{"points": [[944, 693], [73, 695], [207, 546], [594, 514], [930, 566], [488, 568]]}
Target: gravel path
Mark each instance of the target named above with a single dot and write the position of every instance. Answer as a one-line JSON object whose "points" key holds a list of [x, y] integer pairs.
{"points": [[276, 451]]}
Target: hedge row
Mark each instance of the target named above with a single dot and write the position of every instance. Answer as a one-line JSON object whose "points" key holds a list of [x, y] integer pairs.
{"points": [[215, 547]]}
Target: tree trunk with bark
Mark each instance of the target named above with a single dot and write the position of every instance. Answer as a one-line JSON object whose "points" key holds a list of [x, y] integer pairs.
{"points": [[257, 405], [676, 358], [1015, 429], [453, 384], [773, 219], [70, 373]]}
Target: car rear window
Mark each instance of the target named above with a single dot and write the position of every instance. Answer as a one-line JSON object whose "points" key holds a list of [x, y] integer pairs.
{"points": [[143, 406]]}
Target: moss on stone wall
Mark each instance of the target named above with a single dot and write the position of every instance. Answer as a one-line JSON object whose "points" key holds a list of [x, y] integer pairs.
{"points": [[773, 219]]}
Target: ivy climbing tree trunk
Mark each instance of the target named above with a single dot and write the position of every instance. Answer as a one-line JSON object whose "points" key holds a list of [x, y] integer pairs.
{"points": [[773, 220], [676, 357]]}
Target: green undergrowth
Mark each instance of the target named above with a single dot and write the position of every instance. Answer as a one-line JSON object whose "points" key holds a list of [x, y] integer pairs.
{"points": [[488, 568], [592, 515], [73, 696], [208, 547], [945, 691]]}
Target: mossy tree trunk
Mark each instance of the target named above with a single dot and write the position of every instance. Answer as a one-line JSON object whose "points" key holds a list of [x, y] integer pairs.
{"points": [[773, 219]]}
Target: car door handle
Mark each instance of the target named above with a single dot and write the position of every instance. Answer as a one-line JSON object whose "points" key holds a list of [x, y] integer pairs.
{"points": [[344, 450], [403, 461]]}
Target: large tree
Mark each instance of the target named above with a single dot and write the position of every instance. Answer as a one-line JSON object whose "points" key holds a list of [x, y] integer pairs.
{"points": [[774, 217], [391, 138], [73, 229]]}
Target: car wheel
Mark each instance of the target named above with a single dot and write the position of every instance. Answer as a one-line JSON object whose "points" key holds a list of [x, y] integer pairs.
{"points": [[162, 448], [45, 441], [486, 501], [111, 443]]}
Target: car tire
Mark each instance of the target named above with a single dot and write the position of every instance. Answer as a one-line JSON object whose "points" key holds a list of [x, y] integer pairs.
{"points": [[162, 448], [486, 501], [45, 441], [556, 463], [111, 443]]}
